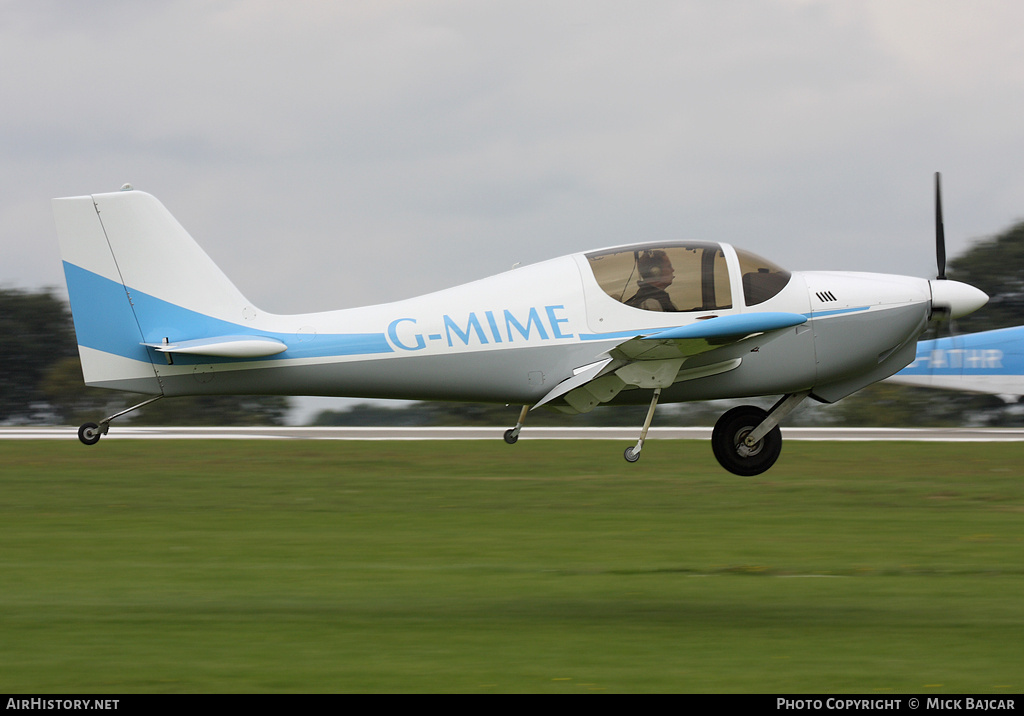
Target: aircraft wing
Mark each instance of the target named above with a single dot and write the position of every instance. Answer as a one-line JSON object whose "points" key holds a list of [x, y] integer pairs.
{"points": [[705, 335], [655, 359]]}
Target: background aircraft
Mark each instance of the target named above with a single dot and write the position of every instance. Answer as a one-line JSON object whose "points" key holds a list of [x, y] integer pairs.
{"points": [[670, 320], [985, 362]]}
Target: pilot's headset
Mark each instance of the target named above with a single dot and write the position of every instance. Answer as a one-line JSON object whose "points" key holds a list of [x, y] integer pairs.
{"points": [[652, 265]]}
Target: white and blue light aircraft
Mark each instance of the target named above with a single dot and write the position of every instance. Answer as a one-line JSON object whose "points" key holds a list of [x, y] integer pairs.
{"points": [[660, 321]]}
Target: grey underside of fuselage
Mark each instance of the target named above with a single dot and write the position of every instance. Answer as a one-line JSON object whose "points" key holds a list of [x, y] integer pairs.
{"points": [[522, 375], [789, 361]]}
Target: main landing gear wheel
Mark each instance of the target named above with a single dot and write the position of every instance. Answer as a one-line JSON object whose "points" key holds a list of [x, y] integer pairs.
{"points": [[90, 433], [511, 435], [727, 442], [631, 454]]}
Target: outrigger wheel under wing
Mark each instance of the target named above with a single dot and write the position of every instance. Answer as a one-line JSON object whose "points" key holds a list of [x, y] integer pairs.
{"points": [[656, 360]]}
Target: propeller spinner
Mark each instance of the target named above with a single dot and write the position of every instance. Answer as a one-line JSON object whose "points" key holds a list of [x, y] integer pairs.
{"points": [[951, 298]]}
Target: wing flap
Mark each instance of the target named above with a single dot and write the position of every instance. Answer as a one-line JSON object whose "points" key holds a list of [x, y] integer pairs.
{"points": [[581, 376]]}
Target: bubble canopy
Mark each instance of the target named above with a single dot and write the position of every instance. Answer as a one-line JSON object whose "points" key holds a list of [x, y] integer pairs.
{"points": [[683, 276]]}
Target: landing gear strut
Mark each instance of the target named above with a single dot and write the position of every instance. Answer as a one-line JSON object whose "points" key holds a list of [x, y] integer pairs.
{"points": [[512, 434], [90, 433], [632, 454], [747, 440]]}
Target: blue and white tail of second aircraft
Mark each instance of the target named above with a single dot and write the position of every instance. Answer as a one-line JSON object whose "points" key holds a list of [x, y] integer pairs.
{"points": [[986, 362]]}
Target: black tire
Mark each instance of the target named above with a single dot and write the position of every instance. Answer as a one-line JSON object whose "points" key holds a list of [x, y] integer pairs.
{"points": [[630, 455], [89, 434], [511, 436], [728, 436]]}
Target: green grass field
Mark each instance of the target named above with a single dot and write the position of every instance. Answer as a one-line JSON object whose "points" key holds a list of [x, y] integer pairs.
{"points": [[548, 566]]}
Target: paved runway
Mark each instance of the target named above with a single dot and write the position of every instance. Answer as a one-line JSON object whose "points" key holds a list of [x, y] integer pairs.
{"points": [[622, 433]]}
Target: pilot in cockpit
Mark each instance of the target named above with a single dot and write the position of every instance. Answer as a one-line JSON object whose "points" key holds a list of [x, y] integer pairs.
{"points": [[656, 275]]}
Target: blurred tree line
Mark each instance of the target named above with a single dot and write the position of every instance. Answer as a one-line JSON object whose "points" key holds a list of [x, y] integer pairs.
{"points": [[41, 377]]}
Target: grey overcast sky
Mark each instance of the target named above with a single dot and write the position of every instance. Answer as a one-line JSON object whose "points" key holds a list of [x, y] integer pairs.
{"points": [[330, 154]]}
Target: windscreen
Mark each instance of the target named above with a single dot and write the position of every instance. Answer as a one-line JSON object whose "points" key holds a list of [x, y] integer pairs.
{"points": [[761, 278]]}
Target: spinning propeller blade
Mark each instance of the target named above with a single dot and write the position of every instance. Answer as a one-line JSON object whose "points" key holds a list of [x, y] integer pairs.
{"points": [[940, 233], [950, 299]]}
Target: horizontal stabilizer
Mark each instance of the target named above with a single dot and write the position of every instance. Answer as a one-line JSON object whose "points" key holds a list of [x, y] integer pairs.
{"points": [[741, 324], [224, 347]]}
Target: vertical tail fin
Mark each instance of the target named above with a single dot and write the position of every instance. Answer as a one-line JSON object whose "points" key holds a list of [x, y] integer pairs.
{"points": [[134, 277]]}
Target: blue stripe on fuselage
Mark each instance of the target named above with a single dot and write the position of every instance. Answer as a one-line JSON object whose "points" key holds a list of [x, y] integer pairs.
{"points": [[611, 336], [836, 312], [105, 321]]}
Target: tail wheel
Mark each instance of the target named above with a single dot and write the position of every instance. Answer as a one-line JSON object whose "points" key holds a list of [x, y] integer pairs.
{"points": [[727, 442]]}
